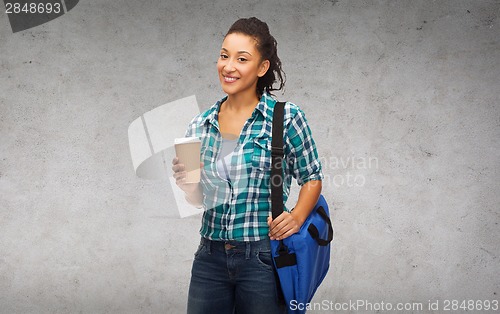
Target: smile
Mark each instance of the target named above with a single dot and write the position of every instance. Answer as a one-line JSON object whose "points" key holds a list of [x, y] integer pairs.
{"points": [[229, 79]]}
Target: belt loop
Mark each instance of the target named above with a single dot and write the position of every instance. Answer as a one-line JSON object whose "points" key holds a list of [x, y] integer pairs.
{"points": [[247, 252], [209, 247]]}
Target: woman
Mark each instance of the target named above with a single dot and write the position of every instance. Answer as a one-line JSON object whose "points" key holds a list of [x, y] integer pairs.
{"points": [[232, 270]]}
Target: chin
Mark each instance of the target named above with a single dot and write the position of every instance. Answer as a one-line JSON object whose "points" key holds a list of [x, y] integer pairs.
{"points": [[228, 91]]}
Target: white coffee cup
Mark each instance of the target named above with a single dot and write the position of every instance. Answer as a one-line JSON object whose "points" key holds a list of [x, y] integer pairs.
{"points": [[187, 149]]}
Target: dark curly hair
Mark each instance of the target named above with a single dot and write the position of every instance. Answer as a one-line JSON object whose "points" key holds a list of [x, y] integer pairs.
{"points": [[268, 49]]}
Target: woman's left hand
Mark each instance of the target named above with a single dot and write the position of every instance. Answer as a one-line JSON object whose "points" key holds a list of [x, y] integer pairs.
{"points": [[283, 226]]}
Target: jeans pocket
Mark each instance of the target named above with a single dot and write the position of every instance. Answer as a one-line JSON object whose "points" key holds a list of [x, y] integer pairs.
{"points": [[264, 259], [200, 249]]}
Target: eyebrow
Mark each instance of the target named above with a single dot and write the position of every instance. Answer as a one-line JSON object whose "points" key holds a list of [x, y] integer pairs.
{"points": [[241, 51]]}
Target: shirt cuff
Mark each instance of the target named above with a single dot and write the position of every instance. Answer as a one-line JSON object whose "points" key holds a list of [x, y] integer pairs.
{"points": [[313, 177]]}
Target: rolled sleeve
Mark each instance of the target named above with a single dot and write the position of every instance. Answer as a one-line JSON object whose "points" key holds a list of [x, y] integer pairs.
{"points": [[305, 163]]}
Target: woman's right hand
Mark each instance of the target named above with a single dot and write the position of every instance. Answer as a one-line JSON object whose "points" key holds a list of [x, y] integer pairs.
{"points": [[180, 177]]}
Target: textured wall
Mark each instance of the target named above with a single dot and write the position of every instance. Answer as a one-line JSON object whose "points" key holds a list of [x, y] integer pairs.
{"points": [[402, 97]]}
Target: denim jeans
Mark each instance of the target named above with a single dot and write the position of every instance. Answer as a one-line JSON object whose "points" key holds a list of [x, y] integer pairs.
{"points": [[233, 277]]}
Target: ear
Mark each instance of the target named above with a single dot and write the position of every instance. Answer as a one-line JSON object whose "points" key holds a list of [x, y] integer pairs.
{"points": [[264, 66]]}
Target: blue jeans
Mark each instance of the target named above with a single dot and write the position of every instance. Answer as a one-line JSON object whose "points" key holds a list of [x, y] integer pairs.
{"points": [[233, 277]]}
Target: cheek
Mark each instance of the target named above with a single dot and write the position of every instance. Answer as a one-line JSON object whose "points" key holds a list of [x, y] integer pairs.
{"points": [[219, 66]]}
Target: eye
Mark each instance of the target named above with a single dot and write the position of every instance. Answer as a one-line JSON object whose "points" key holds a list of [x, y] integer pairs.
{"points": [[223, 56], [241, 59]]}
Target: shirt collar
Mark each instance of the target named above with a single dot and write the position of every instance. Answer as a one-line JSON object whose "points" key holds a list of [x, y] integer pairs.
{"points": [[264, 107]]}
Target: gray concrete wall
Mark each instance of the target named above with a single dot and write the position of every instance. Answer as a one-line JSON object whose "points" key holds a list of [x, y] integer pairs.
{"points": [[402, 98]]}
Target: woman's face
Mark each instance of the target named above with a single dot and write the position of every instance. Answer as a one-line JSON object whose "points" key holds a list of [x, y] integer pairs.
{"points": [[240, 64]]}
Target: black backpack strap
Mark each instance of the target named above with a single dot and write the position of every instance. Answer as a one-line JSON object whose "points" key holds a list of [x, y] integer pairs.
{"points": [[277, 155], [285, 258]]}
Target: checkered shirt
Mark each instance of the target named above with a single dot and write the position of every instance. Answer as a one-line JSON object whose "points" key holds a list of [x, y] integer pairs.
{"points": [[238, 209]]}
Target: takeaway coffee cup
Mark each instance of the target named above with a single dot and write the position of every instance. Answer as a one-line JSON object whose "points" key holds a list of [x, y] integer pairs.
{"points": [[187, 149]]}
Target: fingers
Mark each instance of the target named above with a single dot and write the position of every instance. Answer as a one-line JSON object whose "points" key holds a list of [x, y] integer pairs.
{"points": [[285, 235], [274, 225], [180, 176], [282, 227], [179, 172], [176, 166]]}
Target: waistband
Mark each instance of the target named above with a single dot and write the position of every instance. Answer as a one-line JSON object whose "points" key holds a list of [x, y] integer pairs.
{"points": [[237, 246]]}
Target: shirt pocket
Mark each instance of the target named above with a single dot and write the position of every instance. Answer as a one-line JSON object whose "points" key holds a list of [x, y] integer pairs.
{"points": [[261, 161]]}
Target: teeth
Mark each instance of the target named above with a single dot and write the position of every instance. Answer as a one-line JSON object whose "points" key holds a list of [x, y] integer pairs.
{"points": [[229, 79]]}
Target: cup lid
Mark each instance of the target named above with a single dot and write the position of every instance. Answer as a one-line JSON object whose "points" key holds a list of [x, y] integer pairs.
{"points": [[184, 140]]}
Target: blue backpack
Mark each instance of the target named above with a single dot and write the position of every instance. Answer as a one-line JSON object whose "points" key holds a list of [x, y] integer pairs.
{"points": [[302, 260]]}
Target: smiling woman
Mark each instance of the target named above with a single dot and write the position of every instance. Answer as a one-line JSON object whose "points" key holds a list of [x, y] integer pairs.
{"points": [[232, 269], [240, 66]]}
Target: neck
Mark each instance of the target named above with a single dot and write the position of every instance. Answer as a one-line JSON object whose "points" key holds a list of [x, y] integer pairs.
{"points": [[241, 102]]}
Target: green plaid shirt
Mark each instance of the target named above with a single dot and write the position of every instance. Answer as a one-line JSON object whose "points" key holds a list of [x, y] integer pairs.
{"points": [[238, 209]]}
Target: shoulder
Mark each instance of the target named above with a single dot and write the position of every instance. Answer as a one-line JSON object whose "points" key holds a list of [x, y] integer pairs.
{"points": [[291, 110], [294, 116], [197, 125], [206, 115]]}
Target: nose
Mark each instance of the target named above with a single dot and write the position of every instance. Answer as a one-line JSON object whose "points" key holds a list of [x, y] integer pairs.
{"points": [[229, 67]]}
